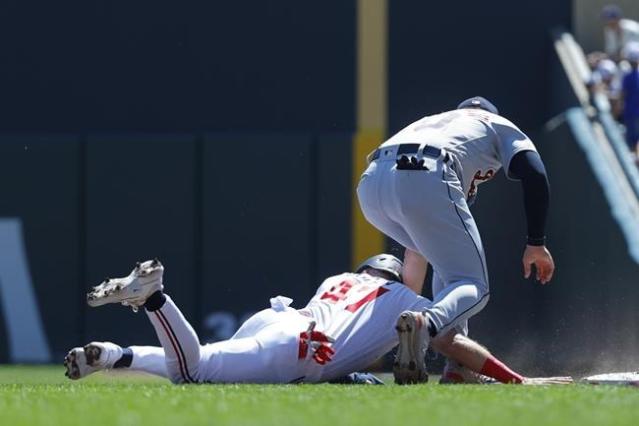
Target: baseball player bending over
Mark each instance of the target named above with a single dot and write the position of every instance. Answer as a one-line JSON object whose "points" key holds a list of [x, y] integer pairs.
{"points": [[345, 327], [417, 190]]}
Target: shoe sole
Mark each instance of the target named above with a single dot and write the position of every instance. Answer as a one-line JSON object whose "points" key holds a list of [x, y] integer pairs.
{"points": [[71, 365], [111, 289], [409, 366], [92, 354], [105, 293]]}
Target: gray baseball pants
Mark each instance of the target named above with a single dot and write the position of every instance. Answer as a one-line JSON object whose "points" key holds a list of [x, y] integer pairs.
{"points": [[426, 211]]}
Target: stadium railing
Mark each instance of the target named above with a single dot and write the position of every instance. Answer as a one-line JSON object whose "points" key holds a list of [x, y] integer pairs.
{"points": [[599, 135]]}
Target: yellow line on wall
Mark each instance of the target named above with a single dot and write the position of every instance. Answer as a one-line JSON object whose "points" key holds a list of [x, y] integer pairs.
{"points": [[372, 23], [372, 35], [366, 240]]}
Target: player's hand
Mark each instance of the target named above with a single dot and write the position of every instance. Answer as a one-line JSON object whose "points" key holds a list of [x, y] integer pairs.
{"points": [[542, 259], [323, 354], [542, 381]]}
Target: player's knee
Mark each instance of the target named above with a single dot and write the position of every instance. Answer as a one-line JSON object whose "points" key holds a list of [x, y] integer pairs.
{"points": [[484, 297], [180, 379], [482, 287], [480, 295], [177, 379], [179, 374]]}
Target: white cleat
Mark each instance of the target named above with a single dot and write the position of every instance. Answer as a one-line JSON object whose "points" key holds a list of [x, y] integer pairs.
{"points": [[455, 373], [410, 361], [132, 290], [96, 356]]}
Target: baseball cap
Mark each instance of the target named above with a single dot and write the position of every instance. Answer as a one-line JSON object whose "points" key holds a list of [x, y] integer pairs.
{"points": [[631, 51], [479, 102], [610, 12], [606, 68]]}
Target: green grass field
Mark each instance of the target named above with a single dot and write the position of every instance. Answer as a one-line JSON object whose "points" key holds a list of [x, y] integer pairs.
{"points": [[42, 395]]}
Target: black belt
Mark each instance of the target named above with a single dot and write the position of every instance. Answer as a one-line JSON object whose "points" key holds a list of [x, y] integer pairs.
{"points": [[413, 148]]}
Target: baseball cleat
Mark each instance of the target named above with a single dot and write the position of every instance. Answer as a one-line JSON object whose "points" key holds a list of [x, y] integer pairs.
{"points": [[96, 356], [132, 290], [410, 361], [455, 374]]}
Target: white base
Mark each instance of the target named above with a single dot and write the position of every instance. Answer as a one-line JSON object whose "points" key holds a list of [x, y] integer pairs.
{"points": [[628, 379]]}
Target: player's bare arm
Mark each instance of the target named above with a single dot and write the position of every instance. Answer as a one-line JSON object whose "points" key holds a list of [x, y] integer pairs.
{"points": [[414, 270]]}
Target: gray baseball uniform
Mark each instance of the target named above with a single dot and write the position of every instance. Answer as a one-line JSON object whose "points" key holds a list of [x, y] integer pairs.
{"points": [[423, 203]]}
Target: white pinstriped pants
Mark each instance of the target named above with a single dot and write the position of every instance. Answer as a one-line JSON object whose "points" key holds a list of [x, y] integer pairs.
{"points": [[270, 355]]}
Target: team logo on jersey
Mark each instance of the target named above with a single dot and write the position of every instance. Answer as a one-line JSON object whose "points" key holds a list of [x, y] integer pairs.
{"points": [[477, 179], [477, 113]]}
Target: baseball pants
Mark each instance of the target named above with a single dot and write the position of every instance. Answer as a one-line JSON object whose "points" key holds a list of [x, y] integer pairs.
{"points": [[426, 211], [265, 351]]}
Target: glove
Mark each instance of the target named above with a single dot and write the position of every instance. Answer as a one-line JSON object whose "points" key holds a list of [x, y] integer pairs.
{"points": [[358, 379], [318, 342]]}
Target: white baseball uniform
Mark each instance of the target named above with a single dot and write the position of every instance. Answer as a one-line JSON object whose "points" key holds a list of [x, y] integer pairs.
{"points": [[358, 311]]}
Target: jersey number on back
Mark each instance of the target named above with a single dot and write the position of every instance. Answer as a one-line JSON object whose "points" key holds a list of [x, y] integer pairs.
{"points": [[340, 292]]}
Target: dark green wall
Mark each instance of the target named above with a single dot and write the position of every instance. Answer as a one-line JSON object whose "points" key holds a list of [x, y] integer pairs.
{"points": [[165, 66], [236, 219], [443, 52]]}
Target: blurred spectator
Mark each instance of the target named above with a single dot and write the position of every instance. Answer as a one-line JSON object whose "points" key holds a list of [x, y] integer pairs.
{"points": [[606, 78], [630, 93], [618, 31]]}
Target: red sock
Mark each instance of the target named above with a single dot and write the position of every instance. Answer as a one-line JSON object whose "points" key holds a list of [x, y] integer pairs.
{"points": [[499, 371]]}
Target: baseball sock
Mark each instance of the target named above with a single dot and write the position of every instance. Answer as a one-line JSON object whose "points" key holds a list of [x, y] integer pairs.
{"points": [[432, 330], [125, 360], [155, 301], [499, 371]]}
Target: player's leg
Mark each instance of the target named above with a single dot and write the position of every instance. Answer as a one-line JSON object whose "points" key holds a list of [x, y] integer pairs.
{"points": [[273, 354], [431, 207], [434, 213], [370, 187], [453, 306], [143, 288], [467, 360], [148, 359], [430, 210], [475, 357], [438, 286], [98, 356], [258, 321], [270, 356], [470, 354], [453, 371], [177, 337]]}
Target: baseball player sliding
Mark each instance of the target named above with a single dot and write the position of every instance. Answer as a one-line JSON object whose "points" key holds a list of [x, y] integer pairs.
{"points": [[346, 326], [417, 190]]}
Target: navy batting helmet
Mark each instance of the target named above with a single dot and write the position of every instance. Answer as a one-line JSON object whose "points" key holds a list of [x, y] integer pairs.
{"points": [[479, 102], [383, 262]]}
